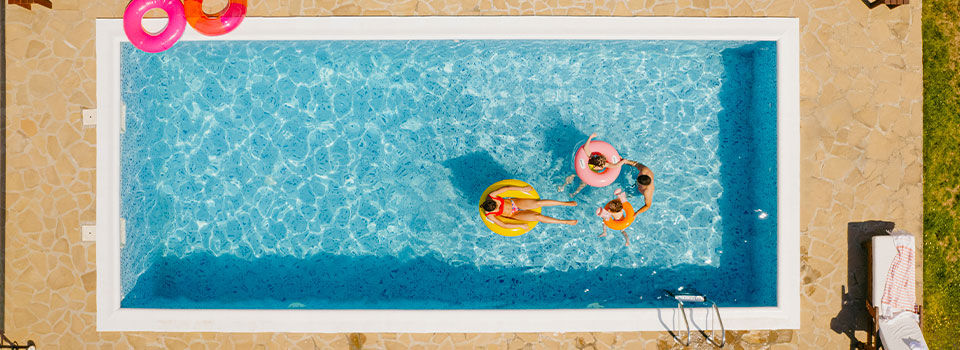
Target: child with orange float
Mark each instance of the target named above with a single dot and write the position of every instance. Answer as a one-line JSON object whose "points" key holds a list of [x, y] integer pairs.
{"points": [[617, 214]]}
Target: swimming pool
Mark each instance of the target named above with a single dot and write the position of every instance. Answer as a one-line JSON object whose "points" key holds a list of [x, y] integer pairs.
{"points": [[322, 175]]}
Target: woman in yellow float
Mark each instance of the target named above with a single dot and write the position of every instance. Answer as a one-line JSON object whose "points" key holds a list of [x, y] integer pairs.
{"points": [[512, 207]]}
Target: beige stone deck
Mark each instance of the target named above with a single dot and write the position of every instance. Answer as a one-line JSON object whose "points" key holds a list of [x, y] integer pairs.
{"points": [[861, 160]]}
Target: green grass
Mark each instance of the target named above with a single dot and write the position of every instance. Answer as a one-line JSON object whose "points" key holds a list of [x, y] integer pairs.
{"points": [[941, 173]]}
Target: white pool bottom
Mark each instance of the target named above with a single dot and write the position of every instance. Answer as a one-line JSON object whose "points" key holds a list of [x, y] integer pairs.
{"points": [[785, 31]]}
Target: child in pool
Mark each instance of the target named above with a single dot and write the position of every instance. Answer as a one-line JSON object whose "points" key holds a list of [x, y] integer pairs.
{"points": [[521, 209], [614, 210], [597, 163]]}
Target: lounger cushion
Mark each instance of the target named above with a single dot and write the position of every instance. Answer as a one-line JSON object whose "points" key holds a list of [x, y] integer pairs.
{"points": [[902, 332], [882, 254]]}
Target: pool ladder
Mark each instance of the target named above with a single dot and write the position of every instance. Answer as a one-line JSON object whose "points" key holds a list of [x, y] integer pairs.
{"points": [[691, 298]]}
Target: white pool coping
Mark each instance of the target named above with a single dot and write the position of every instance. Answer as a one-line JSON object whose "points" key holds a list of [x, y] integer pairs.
{"points": [[786, 315]]}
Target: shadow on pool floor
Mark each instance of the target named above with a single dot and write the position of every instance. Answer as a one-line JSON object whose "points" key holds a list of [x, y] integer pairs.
{"points": [[329, 281]]}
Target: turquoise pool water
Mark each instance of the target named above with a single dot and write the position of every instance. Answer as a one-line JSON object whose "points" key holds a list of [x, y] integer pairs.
{"points": [[346, 174]]}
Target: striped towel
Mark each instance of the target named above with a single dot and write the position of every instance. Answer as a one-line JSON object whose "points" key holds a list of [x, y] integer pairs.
{"points": [[899, 291]]}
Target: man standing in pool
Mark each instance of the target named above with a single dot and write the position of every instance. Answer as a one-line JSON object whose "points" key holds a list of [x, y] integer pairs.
{"points": [[644, 184]]}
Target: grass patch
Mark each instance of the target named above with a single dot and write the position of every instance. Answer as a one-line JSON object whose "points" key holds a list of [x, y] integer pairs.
{"points": [[941, 173]]}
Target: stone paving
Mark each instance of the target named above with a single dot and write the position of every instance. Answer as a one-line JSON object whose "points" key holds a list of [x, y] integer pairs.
{"points": [[860, 90]]}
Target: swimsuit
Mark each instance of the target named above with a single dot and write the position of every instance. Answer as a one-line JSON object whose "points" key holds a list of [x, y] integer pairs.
{"points": [[502, 205], [594, 168]]}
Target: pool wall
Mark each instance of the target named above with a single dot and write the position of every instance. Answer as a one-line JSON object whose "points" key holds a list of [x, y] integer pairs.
{"points": [[111, 317]]}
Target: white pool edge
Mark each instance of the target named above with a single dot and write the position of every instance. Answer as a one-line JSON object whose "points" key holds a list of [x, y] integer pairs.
{"points": [[785, 31]]}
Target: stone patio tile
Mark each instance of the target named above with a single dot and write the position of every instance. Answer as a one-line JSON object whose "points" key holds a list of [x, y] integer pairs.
{"points": [[861, 113]]}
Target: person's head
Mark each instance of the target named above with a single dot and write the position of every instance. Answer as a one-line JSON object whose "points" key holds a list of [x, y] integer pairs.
{"points": [[489, 205], [614, 206], [597, 161], [643, 181]]}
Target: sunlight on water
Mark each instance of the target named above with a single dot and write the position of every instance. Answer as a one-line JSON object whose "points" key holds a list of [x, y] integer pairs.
{"points": [[309, 151]]}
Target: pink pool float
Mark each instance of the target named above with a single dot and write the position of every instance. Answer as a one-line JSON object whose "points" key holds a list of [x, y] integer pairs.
{"points": [[586, 172], [154, 42]]}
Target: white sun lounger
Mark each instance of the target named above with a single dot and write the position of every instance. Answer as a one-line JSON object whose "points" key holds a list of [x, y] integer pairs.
{"points": [[903, 330]]}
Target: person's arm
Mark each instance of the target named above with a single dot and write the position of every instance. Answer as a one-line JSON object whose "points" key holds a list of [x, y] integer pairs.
{"points": [[494, 219], [586, 146], [621, 163], [510, 188], [647, 202], [634, 164]]}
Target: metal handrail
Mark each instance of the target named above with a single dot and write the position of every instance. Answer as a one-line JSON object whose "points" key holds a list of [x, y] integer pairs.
{"points": [[697, 298], [723, 332], [683, 312]]}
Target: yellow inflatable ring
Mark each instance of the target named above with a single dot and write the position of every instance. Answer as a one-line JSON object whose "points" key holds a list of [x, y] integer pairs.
{"points": [[508, 232]]}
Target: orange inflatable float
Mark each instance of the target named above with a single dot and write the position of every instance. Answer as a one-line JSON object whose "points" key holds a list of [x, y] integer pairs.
{"points": [[216, 24]]}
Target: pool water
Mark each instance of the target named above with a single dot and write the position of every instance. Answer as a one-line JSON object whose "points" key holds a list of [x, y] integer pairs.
{"points": [[346, 174]]}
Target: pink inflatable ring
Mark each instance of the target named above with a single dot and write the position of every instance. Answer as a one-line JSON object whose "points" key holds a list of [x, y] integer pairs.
{"points": [[143, 40], [593, 178]]}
